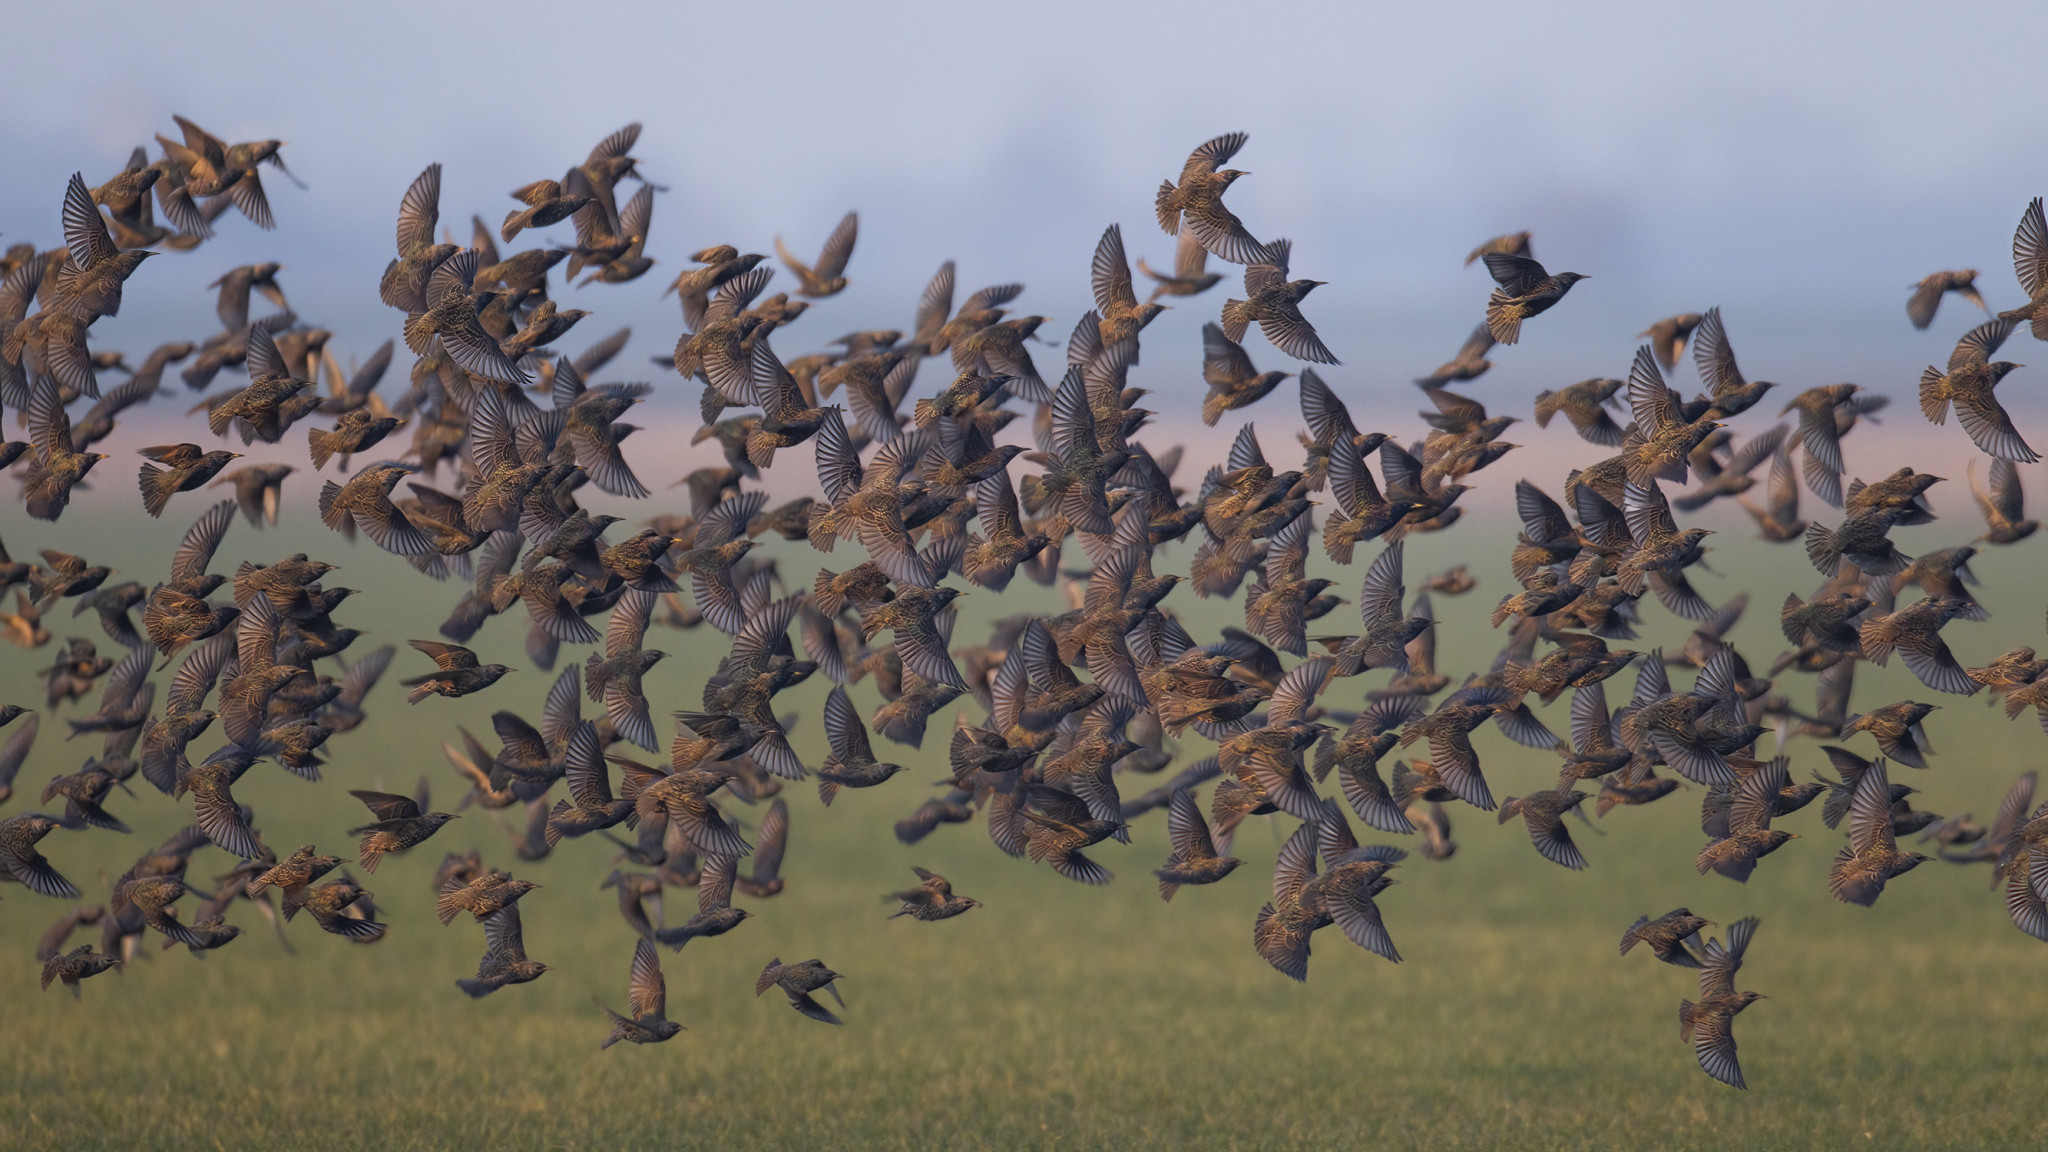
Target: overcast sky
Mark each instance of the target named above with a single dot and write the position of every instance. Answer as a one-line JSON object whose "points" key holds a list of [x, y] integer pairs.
{"points": [[1799, 165]]}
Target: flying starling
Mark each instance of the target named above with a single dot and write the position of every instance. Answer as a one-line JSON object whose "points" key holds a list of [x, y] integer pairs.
{"points": [[646, 999], [1708, 1025], [1525, 290], [933, 899], [460, 673], [798, 981], [1671, 937], [399, 825]]}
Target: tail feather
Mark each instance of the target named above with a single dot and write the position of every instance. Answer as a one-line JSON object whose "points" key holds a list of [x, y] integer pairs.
{"points": [[321, 444], [1822, 549], [154, 494], [1934, 396]]}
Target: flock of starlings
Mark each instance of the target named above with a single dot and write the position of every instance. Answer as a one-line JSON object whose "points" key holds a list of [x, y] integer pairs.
{"points": [[1048, 754]]}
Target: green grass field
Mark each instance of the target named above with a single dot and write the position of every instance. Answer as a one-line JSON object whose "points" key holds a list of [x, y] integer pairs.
{"points": [[1056, 1016]]}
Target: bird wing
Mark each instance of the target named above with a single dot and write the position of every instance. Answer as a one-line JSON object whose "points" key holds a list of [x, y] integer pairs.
{"points": [[85, 231], [714, 887], [647, 990], [1110, 274], [838, 248], [1979, 344], [1654, 404], [843, 728], [2030, 251], [449, 657], [771, 840], [387, 805], [1712, 355], [1870, 811]]}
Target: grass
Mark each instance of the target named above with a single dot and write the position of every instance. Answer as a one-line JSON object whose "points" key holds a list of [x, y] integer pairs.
{"points": [[1057, 1016]]}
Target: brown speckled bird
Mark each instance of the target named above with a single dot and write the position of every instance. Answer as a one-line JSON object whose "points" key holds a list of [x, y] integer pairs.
{"points": [[481, 897], [1196, 202], [1526, 290], [1671, 937], [1968, 384], [18, 838], [80, 963], [646, 999], [1194, 859], [1872, 858], [1544, 813], [400, 825], [1274, 302], [797, 982], [504, 962], [932, 899], [459, 674], [1928, 294], [827, 277], [1708, 1025]]}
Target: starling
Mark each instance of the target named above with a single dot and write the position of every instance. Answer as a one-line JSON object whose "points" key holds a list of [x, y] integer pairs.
{"points": [[1914, 633], [646, 999], [58, 466], [1667, 337], [185, 468], [798, 981], [18, 838], [450, 322], [1727, 392], [331, 904], [1928, 293], [78, 964], [258, 490], [1195, 859], [1526, 290], [2004, 505], [1672, 937], [1196, 203], [852, 763], [1969, 382], [932, 899], [1544, 814], [1748, 833], [1274, 301], [89, 285], [1820, 435], [2030, 264], [294, 875], [358, 430], [1191, 275], [715, 914], [14, 752], [546, 204], [1872, 858], [1356, 759], [764, 877], [504, 962], [1585, 405], [399, 825], [153, 896], [1708, 1025], [460, 673], [1060, 829], [1233, 382], [1469, 364], [828, 276], [481, 897]]}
